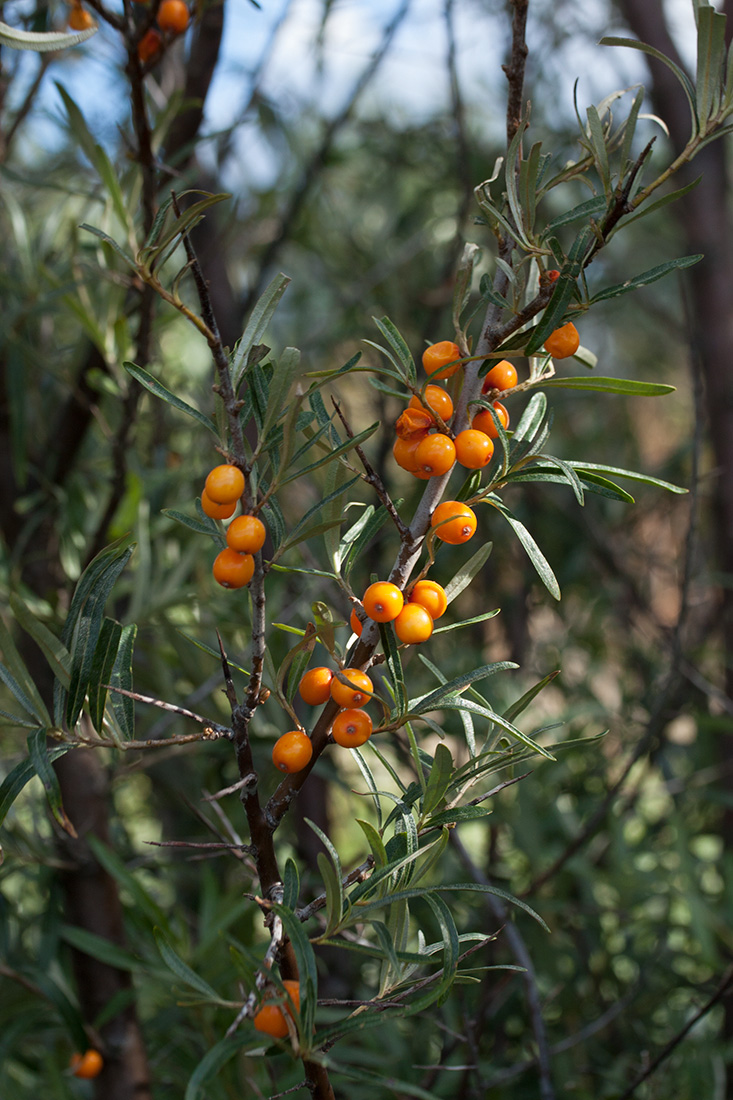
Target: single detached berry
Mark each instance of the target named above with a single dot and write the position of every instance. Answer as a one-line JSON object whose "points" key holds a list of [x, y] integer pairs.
{"points": [[270, 1018], [292, 751], [173, 16], [437, 400], [502, 376], [351, 728], [439, 359], [414, 624], [454, 522], [315, 686], [431, 596], [232, 569], [246, 534], [225, 484], [356, 691], [383, 601], [86, 1065], [563, 342]]}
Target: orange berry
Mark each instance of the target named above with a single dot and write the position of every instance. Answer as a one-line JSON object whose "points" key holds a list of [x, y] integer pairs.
{"points": [[454, 522], [437, 399], [214, 510], [173, 16], [271, 1018], [483, 421], [351, 728], [413, 422], [563, 342], [404, 451], [438, 359], [474, 449], [414, 624], [224, 484], [503, 376], [292, 751], [435, 455], [86, 1065], [383, 601], [149, 46], [246, 534], [80, 20], [232, 569], [356, 691], [315, 686], [431, 596], [552, 275], [355, 622]]}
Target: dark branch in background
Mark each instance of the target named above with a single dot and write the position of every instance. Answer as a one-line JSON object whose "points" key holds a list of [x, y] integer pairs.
{"points": [[514, 70], [25, 107], [723, 989], [317, 161]]}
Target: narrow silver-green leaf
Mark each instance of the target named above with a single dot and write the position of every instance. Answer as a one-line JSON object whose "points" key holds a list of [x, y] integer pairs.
{"points": [[42, 41], [609, 385], [182, 970], [438, 779], [105, 655], [646, 278], [286, 371], [39, 758], [19, 776], [55, 653], [535, 555], [259, 320], [159, 390]]}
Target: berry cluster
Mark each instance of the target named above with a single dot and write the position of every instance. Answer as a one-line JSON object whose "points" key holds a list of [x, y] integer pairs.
{"points": [[235, 565], [173, 18]]}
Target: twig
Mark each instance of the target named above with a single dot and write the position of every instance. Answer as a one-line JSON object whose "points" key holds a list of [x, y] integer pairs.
{"points": [[212, 728], [719, 993], [514, 70], [217, 845], [372, 477]]}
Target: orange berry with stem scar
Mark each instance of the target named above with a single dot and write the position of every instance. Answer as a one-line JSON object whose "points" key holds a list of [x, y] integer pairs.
{"points": [[270, 1018], [437, 400], [246, 534], [563, 342], [439, 359], [454, 522], [86, 1065], [351, 688], [483, 421], [351, 728], [173, 16], [414, 624], [474, 449], [232, 569], [435, 455], [217, 511], [224, 484], [315, 686], [383, 601], [502, 376], [430, 595], [292, 751]]}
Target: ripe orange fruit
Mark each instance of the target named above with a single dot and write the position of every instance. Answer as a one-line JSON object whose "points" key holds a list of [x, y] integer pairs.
{"points": [[454, 522], [149, 46], [414, 422], [563, 342], [173, 16], [80, 20], [435, 455], [404, 451], [355, 623], [315, 686], [383, 601], [473, 449], [414, 624], [246, 534], [292, 751], [358, 690], [224, 484], [552, 275], [437, 399], [431, 596], [351, 728], [503, 376], [483, 421], [437, 359], [232, 569], [271, 1018], [214, 510], [86, 1065]]}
